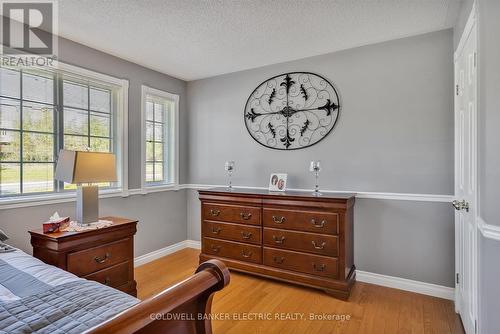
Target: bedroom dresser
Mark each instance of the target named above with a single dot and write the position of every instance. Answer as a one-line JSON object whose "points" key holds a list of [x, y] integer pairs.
{"points": [[291, 236]]}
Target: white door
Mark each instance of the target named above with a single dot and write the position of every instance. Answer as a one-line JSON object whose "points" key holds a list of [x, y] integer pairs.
{"points": [[465, 178]]}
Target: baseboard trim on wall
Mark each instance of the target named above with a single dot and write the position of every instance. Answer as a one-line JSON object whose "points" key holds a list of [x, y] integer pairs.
{"points": [[155, 255], [362, 276], [487, 230], [193, 244], [359, 194], [406, 284]]}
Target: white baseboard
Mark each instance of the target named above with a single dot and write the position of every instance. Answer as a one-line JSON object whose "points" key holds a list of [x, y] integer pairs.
{"points": [[154, 255], [362, 276], [406, 284], [193, 244]]}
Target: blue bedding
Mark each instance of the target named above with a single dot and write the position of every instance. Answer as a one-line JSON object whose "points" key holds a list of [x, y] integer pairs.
{"points": [[38, 298]]}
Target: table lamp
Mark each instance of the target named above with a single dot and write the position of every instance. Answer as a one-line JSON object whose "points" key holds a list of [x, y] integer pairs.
{"points": [[85, 169]]}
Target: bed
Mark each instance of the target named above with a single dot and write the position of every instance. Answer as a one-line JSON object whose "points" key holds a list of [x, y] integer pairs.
{"points": [[39, 298]]}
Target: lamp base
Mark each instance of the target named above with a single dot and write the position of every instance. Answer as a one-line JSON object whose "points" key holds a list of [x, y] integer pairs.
{"points": [[87, 205]]}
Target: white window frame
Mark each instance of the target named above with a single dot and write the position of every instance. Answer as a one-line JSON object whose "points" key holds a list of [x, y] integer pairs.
{"points": [[172, 161], [121, 117]]}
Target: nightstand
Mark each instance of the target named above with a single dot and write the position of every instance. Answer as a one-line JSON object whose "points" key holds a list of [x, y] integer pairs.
{"points": [[104, 255]]}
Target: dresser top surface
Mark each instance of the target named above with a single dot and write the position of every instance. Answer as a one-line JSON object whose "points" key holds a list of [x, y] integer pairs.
{"points": [[267, 193]]}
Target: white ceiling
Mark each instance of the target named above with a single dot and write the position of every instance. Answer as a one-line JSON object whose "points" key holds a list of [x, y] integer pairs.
{"points": [[193, 39]]}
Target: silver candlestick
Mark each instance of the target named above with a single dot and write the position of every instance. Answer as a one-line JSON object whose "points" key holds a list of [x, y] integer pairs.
{"points": [[229, 168], [315, 167]]}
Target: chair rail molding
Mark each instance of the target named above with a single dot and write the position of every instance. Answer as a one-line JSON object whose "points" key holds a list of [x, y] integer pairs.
{"points": [[487, 230], [359, 194], [27, 201]]}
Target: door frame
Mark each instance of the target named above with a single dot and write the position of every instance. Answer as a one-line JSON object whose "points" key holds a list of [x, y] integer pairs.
{"points": [[472, 22]]}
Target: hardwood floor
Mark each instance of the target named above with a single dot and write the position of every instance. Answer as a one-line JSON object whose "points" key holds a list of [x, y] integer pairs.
{"points": [[371, 308]]}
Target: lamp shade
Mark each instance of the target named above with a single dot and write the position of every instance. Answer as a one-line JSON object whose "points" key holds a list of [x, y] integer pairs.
{"points": [[85, 167]]}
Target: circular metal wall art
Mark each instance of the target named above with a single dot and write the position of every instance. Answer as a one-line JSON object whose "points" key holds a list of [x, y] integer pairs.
{"points": [[292, 111]]}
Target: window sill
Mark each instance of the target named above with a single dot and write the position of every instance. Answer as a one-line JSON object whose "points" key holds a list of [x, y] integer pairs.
{"points": [[158, 188], [53, 198]]}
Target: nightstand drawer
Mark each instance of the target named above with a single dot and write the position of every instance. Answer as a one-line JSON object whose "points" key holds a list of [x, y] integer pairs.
{"points": [[93, 259], [114, 276]]}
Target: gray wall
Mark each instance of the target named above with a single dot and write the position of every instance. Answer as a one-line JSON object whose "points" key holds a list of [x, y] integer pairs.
{"points": [[413, 240], [162, 215], [461, 20], [489, 161], [162, 219], [489, 110], [395, 134], [489, 291]]}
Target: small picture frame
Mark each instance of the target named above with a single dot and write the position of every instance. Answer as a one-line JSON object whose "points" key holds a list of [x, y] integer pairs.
{"points": [[277, 182]]}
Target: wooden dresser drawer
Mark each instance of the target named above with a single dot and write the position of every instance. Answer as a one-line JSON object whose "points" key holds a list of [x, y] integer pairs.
{"points": [[93, 259], [306, 263], [232, 250], [114, 276], [309, 221], [228, 231], [231, 213], [292, 236], [301, 241]]}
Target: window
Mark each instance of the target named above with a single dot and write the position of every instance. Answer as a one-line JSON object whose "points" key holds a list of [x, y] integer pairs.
{"points": [[43, 111], [159, 137], [87, 117], [27, 118]]}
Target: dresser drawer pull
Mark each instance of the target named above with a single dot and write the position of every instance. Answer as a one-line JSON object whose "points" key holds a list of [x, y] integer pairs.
{"points": [[107, 281], [216, 230], [322, 267], [322, 246], [279, 240], [246, 253], [215, 248], [278, 219], [245, 216], [102, 259], [278, 259], [246, 235], [214, 213], [318, 224]]}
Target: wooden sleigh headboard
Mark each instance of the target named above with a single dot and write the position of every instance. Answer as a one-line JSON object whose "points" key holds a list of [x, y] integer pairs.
{"points": [[182, 308]]}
